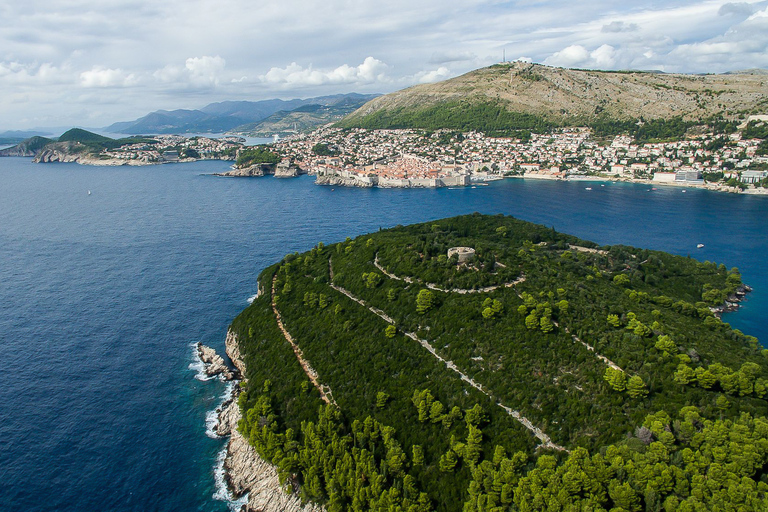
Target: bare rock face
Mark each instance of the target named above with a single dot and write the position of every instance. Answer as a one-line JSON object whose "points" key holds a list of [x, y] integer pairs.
{"points": [[286, 170], [244, 172], [246, 471], [233, 352], [214, 363], [341, 182], [229, 415]]}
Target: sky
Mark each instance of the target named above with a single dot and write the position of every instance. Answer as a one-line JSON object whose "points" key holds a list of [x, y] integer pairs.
{"points": [[89, 63]]}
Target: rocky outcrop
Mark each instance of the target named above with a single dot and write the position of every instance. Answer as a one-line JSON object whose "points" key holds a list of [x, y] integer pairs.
{"points": [[286, 170], [339, 181], [245, 470], [281, 170], [229, 415], [252, 171], [76, 152], [732, 302], [233, 352], [214, 363]]}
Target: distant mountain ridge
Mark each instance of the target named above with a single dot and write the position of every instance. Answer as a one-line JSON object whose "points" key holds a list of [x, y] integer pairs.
{"points": [[226, 115], [532, 96], [303, 119]]}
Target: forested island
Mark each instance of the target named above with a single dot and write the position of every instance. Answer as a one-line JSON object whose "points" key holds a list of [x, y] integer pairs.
{"points": [[483, 363]]}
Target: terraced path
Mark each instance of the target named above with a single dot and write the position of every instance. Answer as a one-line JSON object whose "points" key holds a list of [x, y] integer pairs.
{"points": [[545, 441], [431, 286], [325, 391]]}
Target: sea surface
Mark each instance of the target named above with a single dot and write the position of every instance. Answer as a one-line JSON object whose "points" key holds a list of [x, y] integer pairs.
{"points": [[104, 295]]}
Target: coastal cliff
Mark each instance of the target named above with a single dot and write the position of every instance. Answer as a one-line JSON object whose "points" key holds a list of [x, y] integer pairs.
{"points": [[79, 153], [245, 470], [339, 181], [280, 170]]}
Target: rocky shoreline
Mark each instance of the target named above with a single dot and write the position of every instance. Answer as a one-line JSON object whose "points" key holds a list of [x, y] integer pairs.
{"points": [[281, 170], [732, 302], [245, 472]]}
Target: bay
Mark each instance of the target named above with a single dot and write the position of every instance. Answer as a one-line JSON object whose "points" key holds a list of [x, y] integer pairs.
{"points": [[103, 296]]}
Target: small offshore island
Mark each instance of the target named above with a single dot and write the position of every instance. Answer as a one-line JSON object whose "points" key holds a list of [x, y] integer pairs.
{"points": [[484, 363]]}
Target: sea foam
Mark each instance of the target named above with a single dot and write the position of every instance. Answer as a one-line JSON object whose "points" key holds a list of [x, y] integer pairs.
{"points": [[222, 492], [198, 366]]}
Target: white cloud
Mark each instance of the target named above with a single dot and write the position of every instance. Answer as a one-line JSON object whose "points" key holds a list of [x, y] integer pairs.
{"points": [[104, 77], [197, 72], [206, 68], [569, 57], [370, 71], [429, 76]]}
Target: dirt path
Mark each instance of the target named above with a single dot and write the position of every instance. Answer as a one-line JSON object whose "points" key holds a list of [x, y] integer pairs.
{"points": [[546, 442], [431, 286], [325, 391]]}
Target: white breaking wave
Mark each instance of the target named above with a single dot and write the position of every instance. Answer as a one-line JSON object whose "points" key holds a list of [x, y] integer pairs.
{"points": [[222, 492], [212, 417], [253, 298], [198, 366]]}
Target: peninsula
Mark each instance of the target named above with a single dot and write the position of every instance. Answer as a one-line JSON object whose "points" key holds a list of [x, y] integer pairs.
{"points": [[486, 363], [88, 148]]}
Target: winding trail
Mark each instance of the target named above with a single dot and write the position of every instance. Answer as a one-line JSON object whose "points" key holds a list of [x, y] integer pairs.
{"points": [[589, 347], [546, 442], [325, 391], [604, 359], [431, 286]]}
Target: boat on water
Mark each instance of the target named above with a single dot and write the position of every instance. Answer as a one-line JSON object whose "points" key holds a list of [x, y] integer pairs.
{"points": [[699, 246], [587, 188]]}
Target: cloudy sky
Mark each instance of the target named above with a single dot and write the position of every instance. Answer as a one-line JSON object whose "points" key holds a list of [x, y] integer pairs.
{"points": [[89, 63]]}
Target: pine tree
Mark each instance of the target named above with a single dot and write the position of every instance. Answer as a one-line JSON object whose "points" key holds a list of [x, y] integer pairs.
{"points": [[424, 301], [636, 387], [418, 455], [448, 461]]}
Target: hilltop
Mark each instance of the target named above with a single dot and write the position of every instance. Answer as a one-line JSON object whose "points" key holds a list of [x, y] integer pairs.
{"points": [[530, 371], [27, 147], [536, 97]]}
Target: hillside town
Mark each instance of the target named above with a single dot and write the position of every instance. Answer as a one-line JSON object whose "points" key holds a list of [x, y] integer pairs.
{"points": [[411, 158], [175, 148]]}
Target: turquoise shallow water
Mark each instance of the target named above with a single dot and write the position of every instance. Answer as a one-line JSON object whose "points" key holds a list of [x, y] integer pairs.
{"points": [[102, 297]]}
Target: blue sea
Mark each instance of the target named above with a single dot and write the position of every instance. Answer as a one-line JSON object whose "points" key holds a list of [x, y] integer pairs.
{"points": [[103, 296]]}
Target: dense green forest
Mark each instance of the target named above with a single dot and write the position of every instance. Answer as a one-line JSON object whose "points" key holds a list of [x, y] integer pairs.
{"points": [[492, 118], [546, 373], [257, 155]]}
